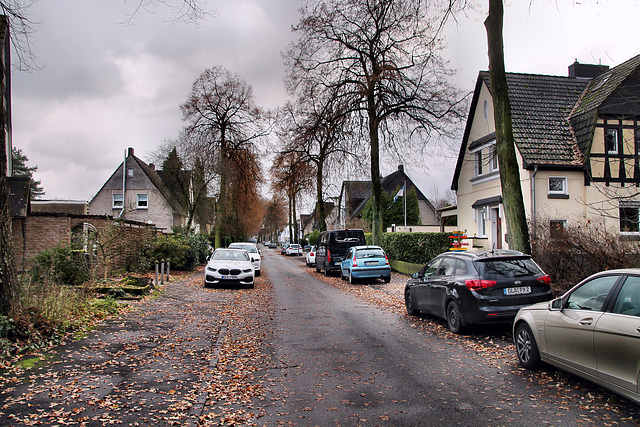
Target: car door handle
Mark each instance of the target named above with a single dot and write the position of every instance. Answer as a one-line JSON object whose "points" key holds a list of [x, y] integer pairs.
{"points": [[586, 322]]}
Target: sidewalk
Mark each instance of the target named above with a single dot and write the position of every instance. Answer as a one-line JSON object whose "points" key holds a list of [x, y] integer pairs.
{"points": [[147, 367]]}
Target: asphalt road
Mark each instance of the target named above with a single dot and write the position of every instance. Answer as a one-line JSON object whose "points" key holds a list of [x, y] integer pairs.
{"points": [[299, 349]]}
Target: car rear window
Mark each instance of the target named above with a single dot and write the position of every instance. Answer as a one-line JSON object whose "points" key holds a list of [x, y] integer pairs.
{"points": [[507, 268], [369, 253]]}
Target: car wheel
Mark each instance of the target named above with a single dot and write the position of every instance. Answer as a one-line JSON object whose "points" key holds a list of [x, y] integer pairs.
{"points": [[454, 317], [342, 276], [317, 269], [326, 270], [352, 279], [526, 347], [409, 303], [387, 279], [258, 273]]}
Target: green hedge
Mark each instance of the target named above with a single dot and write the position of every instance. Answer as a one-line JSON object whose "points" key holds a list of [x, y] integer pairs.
{"points": [[416, 248]]}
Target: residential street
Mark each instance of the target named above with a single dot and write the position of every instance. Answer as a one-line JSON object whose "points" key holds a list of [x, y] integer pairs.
{"points": [[299, 349]]}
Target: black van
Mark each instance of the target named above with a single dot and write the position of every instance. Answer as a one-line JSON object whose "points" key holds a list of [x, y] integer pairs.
{"points": [[332, 245]]}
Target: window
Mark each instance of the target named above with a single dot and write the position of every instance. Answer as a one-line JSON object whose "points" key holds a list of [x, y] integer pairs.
{"points": [[494, 159], [612, 140], [447, 267], [117, 202], [143, 201], [481, 217], [629, 216], [479, 163], [557, 228], [628, 301], [557, 185], [430, 268], [591, 295], [130, 172], [485, 110]]}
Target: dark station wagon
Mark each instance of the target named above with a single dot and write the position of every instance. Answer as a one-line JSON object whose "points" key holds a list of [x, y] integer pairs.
{"points": [[476, 287]]}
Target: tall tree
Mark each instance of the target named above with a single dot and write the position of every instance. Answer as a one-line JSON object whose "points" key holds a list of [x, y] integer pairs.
{"points": [[291, 175], [314, 131], [222, 112], [505, 146], [382, 60], [20, 169]]}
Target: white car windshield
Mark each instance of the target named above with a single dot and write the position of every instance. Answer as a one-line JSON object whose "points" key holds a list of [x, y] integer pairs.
{"points": [[248, 247], [230, 255]]}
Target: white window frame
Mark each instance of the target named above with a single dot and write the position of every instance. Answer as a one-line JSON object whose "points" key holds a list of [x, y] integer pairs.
{"points": [[117, 201], [563, 179], [142, 197], [478, 163], [129, 172], [629, 204], [493, 164], [481, 219], [615, 132]]}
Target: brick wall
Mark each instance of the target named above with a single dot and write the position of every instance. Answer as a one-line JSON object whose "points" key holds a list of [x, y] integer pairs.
{"points": [[39, 232]]}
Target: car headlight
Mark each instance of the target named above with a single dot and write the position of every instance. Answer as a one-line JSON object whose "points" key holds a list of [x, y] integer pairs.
{"points": [[211, 268], [249, 270]]}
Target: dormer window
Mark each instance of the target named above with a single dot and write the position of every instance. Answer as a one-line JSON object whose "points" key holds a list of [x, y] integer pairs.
{"points": [[612, 141]]}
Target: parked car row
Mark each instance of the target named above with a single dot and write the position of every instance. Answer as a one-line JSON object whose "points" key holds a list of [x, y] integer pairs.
{"points": [[592, 331]]}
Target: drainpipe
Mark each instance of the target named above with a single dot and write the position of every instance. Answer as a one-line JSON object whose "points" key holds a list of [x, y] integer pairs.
{"points": [[533, 197], [124, 182]]}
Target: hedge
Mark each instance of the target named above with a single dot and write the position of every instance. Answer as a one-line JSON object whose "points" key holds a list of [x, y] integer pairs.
{"points": [[416, 248]]}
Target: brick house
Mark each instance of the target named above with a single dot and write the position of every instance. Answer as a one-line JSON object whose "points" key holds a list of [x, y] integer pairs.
{"points": [[578, 150], [145, 198]]}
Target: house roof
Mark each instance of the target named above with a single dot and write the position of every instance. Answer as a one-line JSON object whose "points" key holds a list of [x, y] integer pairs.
{"points": [[554, 116], [391, 183]]}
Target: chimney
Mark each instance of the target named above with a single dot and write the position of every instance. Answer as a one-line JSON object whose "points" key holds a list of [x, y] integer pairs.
{"points": [[401, 168], [130, 153], [586, 71], [152, 166]]}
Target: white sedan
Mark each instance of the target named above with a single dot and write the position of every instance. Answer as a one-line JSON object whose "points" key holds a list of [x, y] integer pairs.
{"points": [[592, 331], [229, 267], [311, 257], [294, 249], [254, 253]]}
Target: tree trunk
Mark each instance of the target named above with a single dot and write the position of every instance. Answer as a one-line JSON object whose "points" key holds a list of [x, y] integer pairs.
{"points": [[322, 223], [220, 211], [518, 230], [295, 223], [290, 209], [376, 187], [7, 278]]}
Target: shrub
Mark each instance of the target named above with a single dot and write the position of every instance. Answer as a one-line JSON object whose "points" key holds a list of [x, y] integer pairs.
{"points": [[184, 252], [61, 265], [416, 248], [313, 237], [575, 253]]}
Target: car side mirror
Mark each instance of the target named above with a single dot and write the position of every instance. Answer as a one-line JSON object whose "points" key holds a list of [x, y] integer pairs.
{"points": [[556, 304], [415, 275]]}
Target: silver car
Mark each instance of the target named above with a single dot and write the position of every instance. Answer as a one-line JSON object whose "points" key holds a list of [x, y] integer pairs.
{"points": [[229, 267], [592, 331]]}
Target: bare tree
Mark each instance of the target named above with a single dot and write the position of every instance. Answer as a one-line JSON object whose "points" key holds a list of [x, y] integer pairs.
{"points": [[291, 175], [381, 59], [505, 146], [315, 131], [221, 110]]}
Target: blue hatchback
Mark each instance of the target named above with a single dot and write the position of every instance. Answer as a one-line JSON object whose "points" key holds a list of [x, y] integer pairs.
{"points": [[365, 262]]}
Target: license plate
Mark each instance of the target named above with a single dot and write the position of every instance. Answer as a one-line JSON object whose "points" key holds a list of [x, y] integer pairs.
{"points": [[518, 291], [371, 263], [229, 277]]}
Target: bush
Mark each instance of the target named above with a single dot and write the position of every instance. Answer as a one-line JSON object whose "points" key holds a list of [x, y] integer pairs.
{"points": [[200, 244], [570, 255], [173, 247], [416, 248], [61, 265], [313, 237]]}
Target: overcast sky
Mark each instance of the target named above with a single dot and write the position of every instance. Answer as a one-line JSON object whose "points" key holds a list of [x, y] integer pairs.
{"points": [[104, 85]]}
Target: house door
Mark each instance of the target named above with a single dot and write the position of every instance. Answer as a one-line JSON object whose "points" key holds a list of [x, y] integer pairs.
{"points": [[496, 228]]}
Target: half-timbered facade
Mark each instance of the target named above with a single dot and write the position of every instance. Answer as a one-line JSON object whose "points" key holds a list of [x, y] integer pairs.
{"points": [[578, 147]]}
